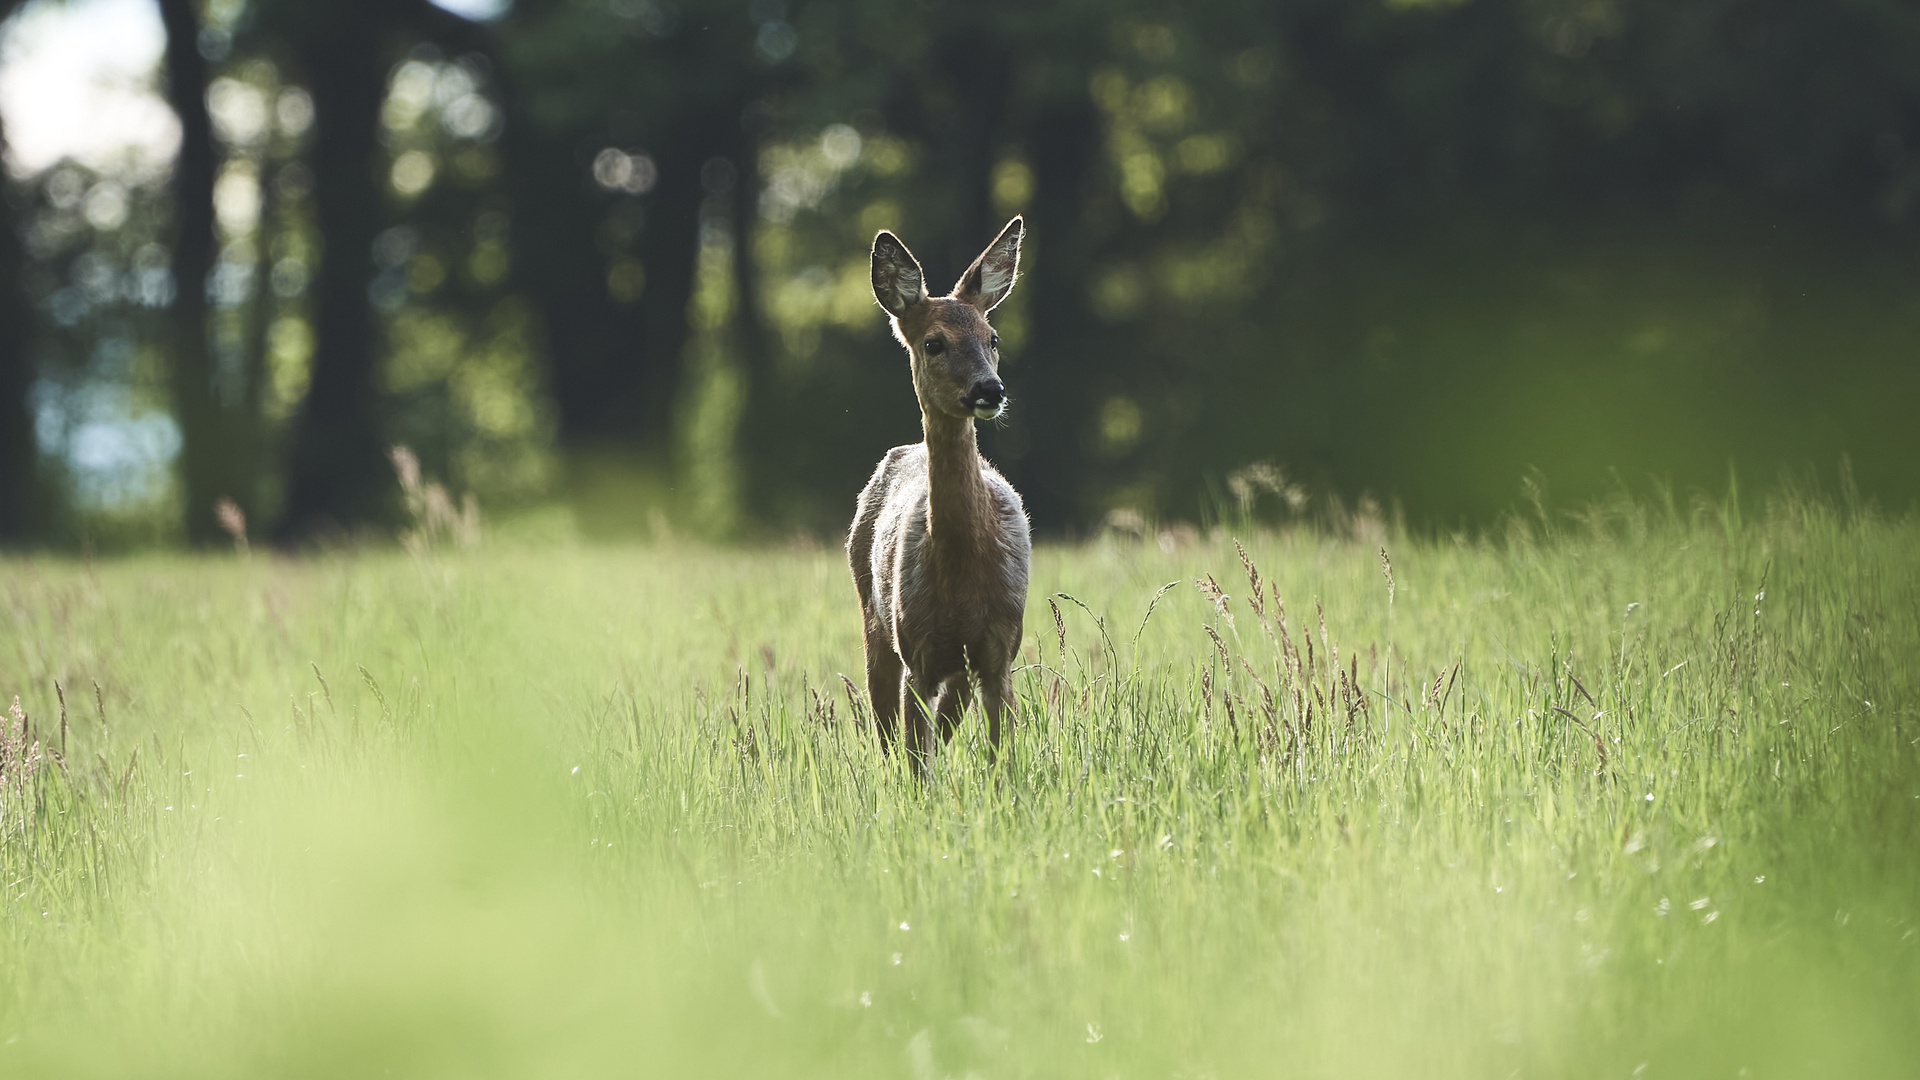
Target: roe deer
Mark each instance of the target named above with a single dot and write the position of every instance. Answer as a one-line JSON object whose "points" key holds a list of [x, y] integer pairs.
{"points": [[939, 545]]}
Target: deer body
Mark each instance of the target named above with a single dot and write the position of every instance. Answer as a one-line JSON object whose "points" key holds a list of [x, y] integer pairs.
{"points": [[940, 547]]}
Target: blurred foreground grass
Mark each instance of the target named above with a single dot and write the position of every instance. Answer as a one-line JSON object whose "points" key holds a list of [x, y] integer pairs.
{"points": [[1630, 794]]}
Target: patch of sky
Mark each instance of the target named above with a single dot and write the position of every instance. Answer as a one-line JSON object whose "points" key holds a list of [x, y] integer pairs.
{"points": [[477, 10], [77, 81], [118, 454]]}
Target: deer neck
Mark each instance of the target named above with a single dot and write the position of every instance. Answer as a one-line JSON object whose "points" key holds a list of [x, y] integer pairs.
{"points": [[959, 509]]}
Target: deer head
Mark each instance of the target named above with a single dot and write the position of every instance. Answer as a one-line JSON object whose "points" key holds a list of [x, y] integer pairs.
{"points": [[954, 352]]}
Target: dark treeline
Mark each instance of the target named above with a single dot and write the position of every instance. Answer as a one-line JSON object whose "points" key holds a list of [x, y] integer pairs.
{"points": [[613, 251]]}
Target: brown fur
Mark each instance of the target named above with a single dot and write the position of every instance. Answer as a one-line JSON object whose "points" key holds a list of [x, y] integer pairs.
{"points": [[940, 548]]}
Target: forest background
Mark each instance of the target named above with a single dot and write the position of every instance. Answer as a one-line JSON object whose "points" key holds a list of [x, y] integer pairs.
{"points": [[602, 264]]}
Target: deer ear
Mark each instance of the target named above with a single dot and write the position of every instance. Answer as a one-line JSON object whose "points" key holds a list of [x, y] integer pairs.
{"points": [[897, 280], [990, 278]]}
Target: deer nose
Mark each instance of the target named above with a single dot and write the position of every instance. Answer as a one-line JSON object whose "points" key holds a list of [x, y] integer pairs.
{"points": [[987, 394]]}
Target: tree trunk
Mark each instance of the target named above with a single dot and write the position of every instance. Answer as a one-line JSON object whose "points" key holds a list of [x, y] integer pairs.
{"points": [[212, 465], [770, 435], [337, 477], [978, 70], [670, 250], [1049, 428], [615, 369], [956, 106], [19, 489], [557, 263]]}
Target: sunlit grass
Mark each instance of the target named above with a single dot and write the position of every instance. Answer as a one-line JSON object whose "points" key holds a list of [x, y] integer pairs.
{"points": [[1581, 800]]}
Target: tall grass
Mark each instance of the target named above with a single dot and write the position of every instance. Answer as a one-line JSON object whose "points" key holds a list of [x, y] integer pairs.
{"points": [[1629, 793]]}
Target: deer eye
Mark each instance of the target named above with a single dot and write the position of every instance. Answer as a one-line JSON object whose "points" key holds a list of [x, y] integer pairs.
{"points": [[933, 345], [996, 341]]}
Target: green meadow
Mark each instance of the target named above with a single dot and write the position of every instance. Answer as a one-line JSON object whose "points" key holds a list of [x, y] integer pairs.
{"points": [[1633, 791]]}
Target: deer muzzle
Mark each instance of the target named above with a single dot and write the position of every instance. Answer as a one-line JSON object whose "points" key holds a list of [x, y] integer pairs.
{"points": [[987, 399]]}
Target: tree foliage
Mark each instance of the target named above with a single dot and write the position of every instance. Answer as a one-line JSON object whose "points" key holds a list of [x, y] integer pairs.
{"points": [[628, 237]]}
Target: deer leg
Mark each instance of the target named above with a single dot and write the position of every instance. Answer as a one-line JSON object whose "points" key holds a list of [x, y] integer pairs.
{"points": [[884, 676], [994, 667], [917, 692], [996, 687], [953, 704]]}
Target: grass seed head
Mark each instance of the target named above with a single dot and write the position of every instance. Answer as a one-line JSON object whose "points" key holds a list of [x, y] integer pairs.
{"points": [[1215, 595], [1253, 581], [1225, 658], [233, 521]]}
